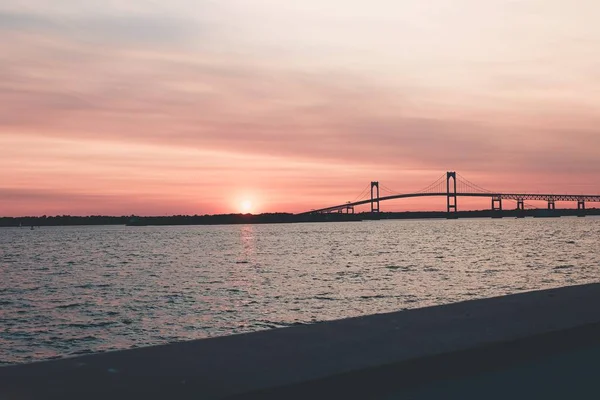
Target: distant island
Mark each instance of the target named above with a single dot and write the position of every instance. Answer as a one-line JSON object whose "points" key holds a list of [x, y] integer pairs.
{"points": [[275, 218]]}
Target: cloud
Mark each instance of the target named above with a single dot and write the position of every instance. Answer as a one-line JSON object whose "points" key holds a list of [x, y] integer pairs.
{"points": [[138, 30], [207, 101], [20, 202]]}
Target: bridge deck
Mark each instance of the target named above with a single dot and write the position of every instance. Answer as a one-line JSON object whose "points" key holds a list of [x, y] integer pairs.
{"points": [[504, 196]]}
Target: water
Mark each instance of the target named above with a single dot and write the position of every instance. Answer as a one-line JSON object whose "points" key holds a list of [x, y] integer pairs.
{"points": [[76, 290]]}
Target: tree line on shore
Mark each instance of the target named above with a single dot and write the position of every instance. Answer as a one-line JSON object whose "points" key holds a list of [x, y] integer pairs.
{"points": [[224, 219], [66, 220]]}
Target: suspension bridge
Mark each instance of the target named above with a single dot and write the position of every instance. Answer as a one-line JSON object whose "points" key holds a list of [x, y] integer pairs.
{"points": [[452, 185]]}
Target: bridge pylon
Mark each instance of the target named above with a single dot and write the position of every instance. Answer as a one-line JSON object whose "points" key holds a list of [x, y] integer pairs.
{"points": [[451, 192], [374, 200]]}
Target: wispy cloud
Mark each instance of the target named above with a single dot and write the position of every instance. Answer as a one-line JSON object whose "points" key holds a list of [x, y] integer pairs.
{"points": [[149, 30]]}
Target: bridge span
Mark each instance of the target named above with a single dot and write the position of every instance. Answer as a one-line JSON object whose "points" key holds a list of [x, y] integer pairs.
{"points": [[451, 186]]}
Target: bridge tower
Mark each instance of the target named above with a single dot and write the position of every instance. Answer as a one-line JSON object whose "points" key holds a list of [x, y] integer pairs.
{"points": [[374, 200], [451, 191]]}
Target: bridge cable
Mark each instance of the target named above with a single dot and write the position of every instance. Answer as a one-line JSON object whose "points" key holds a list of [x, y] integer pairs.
{"points": [[435, 187], [392, 192], [473, 186], [362, 194]]}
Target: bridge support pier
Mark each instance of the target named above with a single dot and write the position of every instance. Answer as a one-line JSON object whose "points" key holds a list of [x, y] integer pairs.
{"points": [[497, 206], [551, 204], [451, 193], [520, 208], [346, 210], [581, 208], [496, 203], [374, 200]]}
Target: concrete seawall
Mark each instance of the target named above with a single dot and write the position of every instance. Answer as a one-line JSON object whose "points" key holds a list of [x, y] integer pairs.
{"points": [[367, 357]]}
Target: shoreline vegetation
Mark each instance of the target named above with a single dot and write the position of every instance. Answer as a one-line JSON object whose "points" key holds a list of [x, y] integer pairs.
{"points": [[275, 218]]}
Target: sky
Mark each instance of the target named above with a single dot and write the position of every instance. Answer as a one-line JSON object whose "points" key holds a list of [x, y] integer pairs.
{"points": [[201, 107]]}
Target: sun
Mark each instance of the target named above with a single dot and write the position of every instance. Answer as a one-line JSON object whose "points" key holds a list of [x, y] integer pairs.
{"points": [[246, 206]]}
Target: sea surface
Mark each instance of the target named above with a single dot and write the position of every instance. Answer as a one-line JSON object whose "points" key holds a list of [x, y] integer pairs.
{"points": [[75, 290]]}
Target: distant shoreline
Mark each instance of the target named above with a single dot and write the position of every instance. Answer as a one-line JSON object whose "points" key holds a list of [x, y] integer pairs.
{"points": [[278, 218]]}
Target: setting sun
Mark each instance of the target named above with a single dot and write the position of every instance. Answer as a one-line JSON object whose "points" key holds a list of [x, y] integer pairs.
{"points": [[246, 206]]}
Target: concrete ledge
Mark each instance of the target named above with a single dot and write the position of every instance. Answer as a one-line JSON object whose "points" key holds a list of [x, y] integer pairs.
{"points": [[355, 358]]}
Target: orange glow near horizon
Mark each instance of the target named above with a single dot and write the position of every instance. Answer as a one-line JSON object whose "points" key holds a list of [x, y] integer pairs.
{"points": [[246, 206], [160, 110]]}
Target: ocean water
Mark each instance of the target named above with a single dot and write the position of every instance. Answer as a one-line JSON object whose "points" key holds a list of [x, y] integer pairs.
{"points": [[75, 290]]}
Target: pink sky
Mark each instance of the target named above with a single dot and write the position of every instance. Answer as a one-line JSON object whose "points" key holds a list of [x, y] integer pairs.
{"points": [[197, 106]]}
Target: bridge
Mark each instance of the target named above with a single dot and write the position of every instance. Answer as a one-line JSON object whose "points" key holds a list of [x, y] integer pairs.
{"points": [[452, 185]]}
